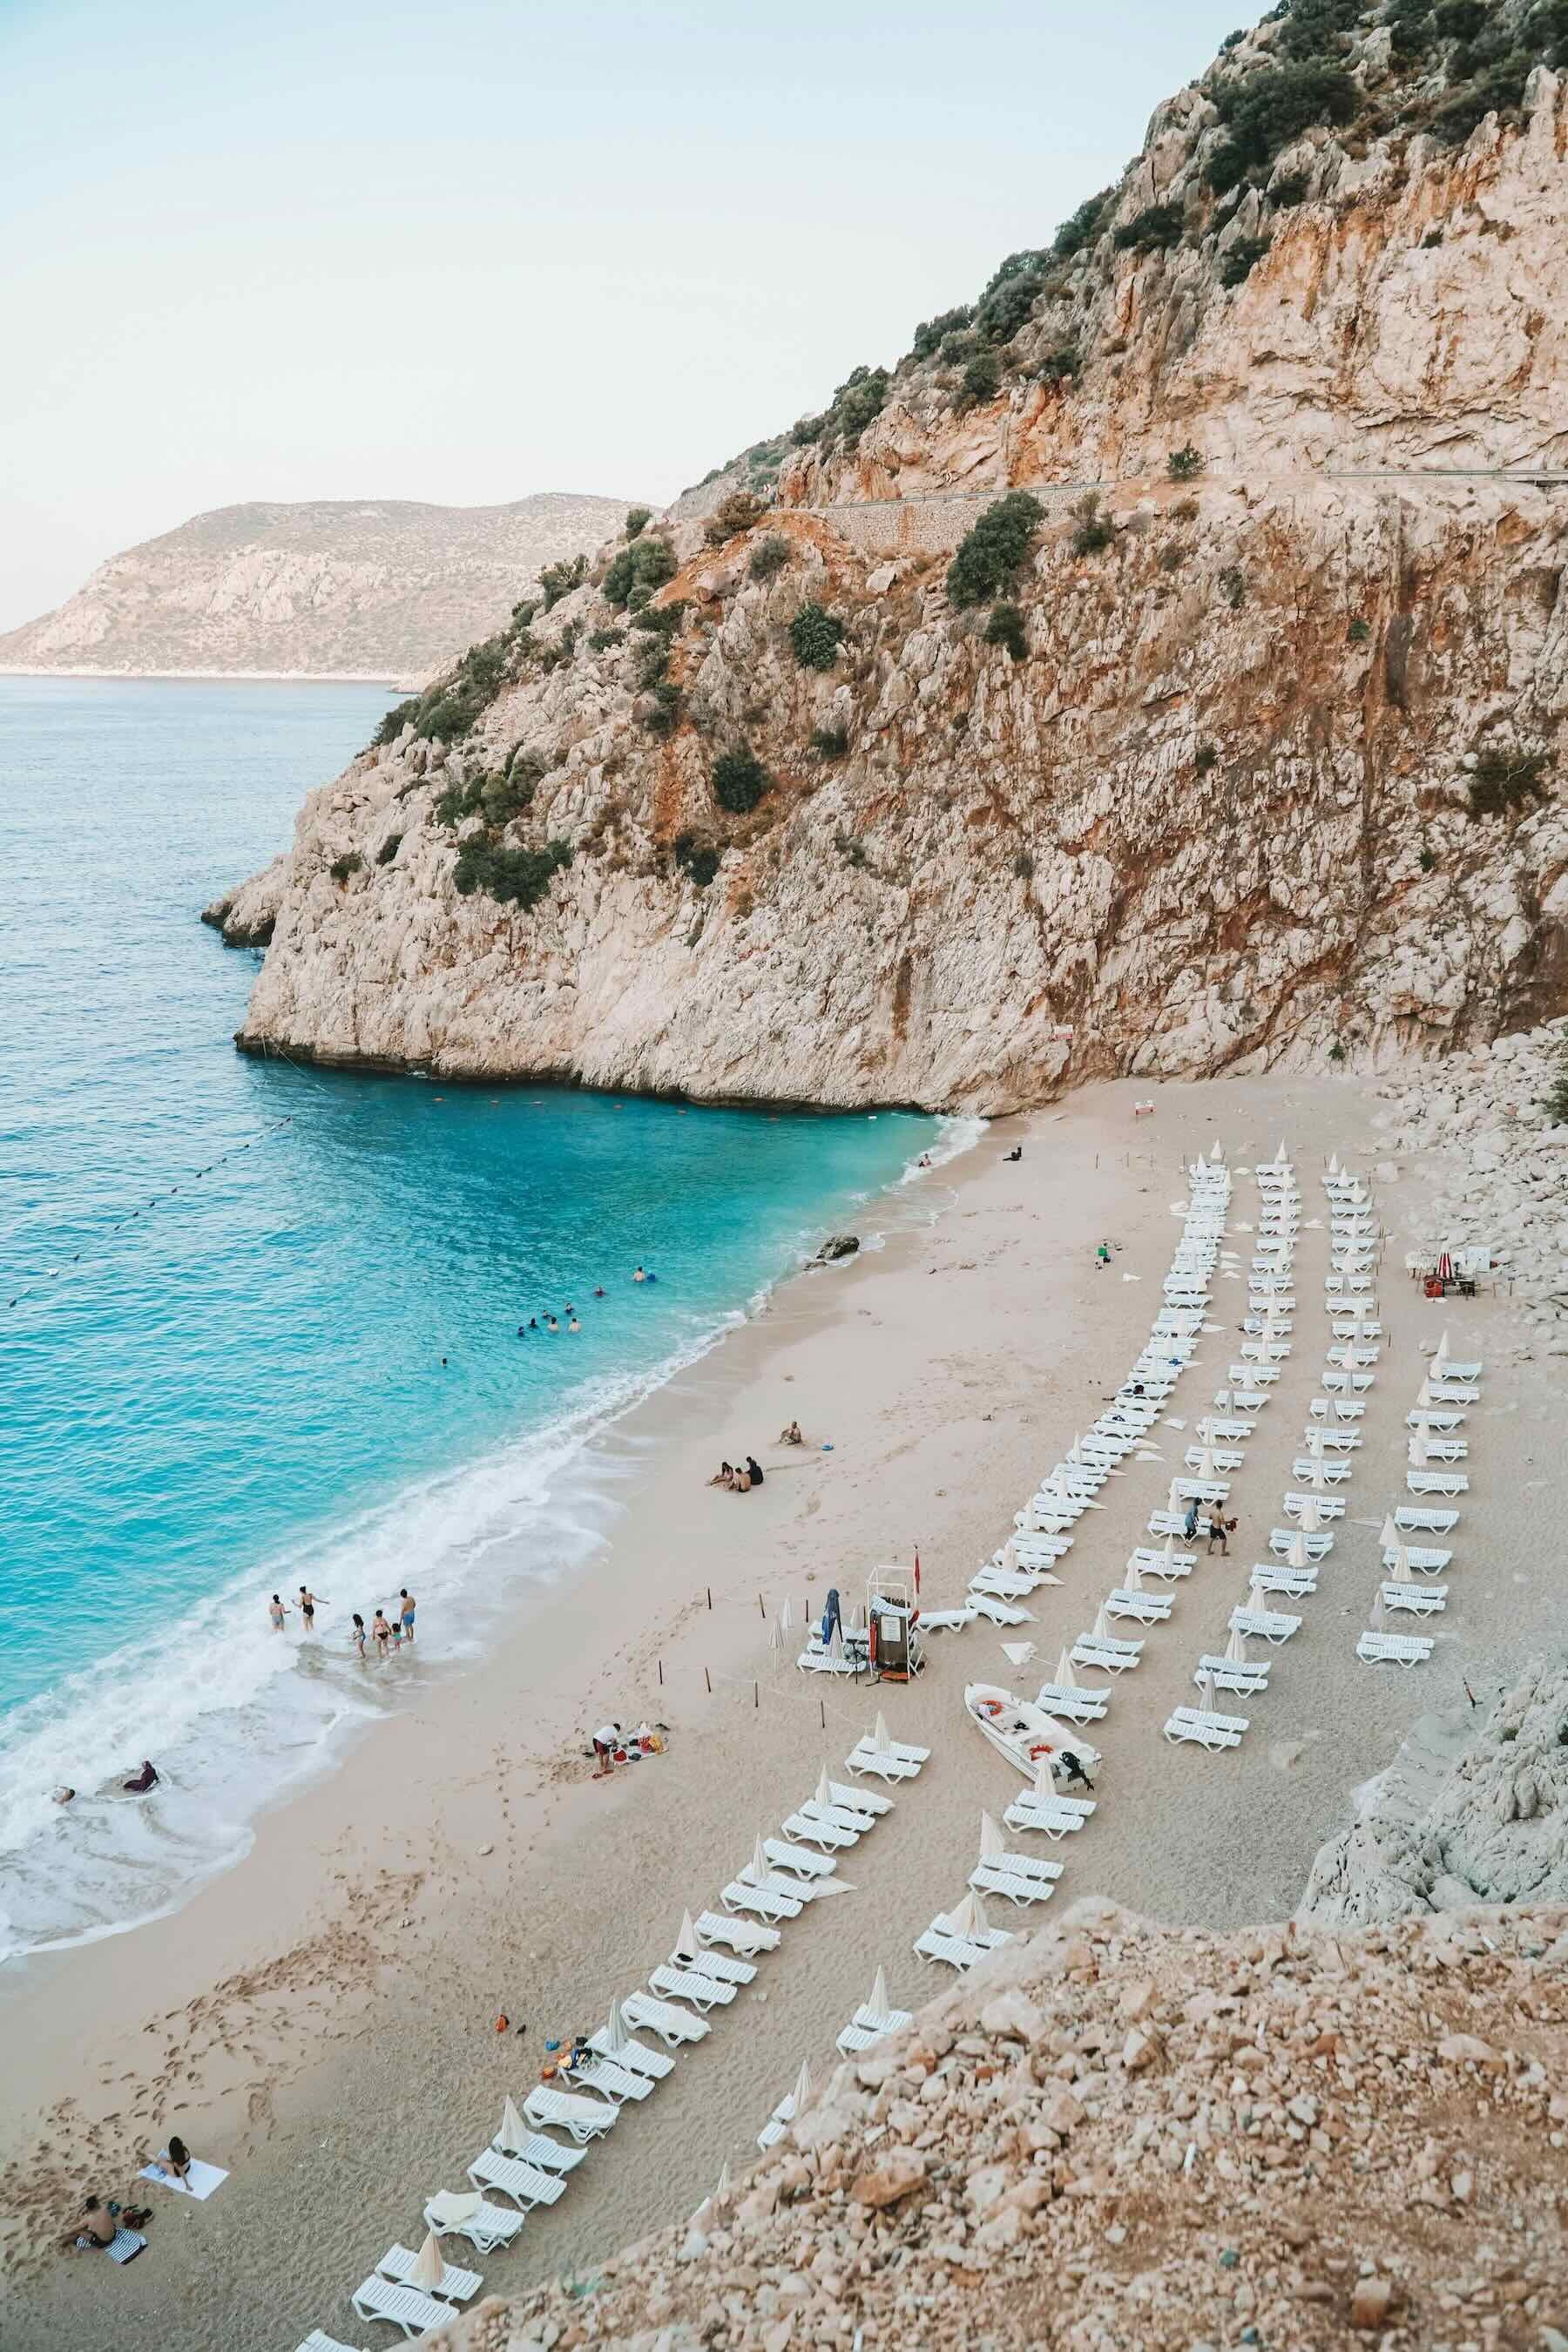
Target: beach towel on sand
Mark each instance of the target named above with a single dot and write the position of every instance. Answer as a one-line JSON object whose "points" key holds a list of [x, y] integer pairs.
{"points": [[124, 2247], [203, 2178]]}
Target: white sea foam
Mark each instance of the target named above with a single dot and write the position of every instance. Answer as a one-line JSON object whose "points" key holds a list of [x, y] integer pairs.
{"points": [[235, 1716]]}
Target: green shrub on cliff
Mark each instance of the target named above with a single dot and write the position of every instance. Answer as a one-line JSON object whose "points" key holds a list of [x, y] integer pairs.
{"points": [[860, 399], [558, 580], [638, 517], [518, 878], [990, 555], [1266, 110], [1153, 230], [739, 779], [769, 557], [697, 857], [981, 383], [400, 716], [815, 635], [1006, 627], [1240, 261], [646, 564]]}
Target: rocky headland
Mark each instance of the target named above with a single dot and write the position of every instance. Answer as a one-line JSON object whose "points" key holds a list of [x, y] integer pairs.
{"points": [[1158, 669], [380, 588]]}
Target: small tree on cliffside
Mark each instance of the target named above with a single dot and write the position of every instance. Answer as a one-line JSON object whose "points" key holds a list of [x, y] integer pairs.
{"points": [[989, 556]]}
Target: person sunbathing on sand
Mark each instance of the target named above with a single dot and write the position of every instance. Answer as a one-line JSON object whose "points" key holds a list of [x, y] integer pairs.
{"points": [[790, 1435], [174, 2164]]}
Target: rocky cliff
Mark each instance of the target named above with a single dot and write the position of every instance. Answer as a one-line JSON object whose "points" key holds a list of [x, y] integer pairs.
{"points": [[1160, 669], [1129, 2135], [371, 588]]}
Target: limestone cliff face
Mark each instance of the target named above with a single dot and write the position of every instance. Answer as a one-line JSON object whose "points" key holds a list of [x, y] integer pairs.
{"points": [[1268, 772], [373, 587]]}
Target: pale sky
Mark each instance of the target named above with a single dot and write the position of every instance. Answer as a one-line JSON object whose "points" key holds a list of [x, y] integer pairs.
{"points": [[316, 249]]}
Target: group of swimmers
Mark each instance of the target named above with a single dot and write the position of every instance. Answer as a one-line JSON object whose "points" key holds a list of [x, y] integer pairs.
{"points": [[388, 1634], [569, 1313]]}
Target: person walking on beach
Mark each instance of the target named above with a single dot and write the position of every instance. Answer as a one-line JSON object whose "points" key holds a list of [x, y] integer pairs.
{"points": [[1189, 1524], [357, 1636], [308, 1607], [381, 1631], [277, 1610], [405, 1614], [1218, 1534], [1073, 1767]]}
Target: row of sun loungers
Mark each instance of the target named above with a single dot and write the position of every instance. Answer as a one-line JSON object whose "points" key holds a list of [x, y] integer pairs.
{"points": [[1407, 1587]]}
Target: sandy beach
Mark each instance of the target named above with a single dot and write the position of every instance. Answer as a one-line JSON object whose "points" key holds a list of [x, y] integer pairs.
{"points": [[320, 2020]]}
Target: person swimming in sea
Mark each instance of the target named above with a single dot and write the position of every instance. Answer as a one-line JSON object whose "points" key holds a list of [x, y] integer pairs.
{"points": [[551, 1323]]}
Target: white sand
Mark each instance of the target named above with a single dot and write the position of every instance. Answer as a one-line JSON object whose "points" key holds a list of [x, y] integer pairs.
{"points": [[320, 2020]]}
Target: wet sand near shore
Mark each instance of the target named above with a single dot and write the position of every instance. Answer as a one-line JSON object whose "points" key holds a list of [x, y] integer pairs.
{"points": [[321, 2018]]}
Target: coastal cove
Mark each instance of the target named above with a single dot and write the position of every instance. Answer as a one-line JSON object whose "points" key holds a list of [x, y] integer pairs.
{"points": [[321, 2019], [262, 1324]]}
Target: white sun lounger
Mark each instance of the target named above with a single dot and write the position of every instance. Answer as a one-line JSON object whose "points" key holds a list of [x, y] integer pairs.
{"points": [[1364, 1328], [1073, 1701], [1348, 1383], [1338, 1441], [846, 1822], [1225, 1457], [787, 1890], [1427, 1560], [1203, 1490], [1021, 1878], [1151, 1561], [747, 1937], [1446, 1449], [1053, 1817], [1245, 1398], [319, 2340], [610, 2080], [1106, 1654], [404, 2307], [960, 1952], [857, 1800], [885, 1762], [1332, 1408], [398, 2264], [1143, 1608], [777, 2123], [1418, 1600], [1237, 1432], [1394, 1649], [1336, 1473], [487, 2228], [721, 1965], [1247, 1679], [1330, 1507], [1446, 1418], [742, 1895], [824, 1833], [1204, 1730], [1007, 1583], [685, 1984], [1292, 1583], [1437, 1482], [581, 2119], [795, 1859], [636, 2057], [1429, 1518], [545, 2154], [1354, 1359], [868, 2025], [1465, 1374], [1453, 1391], [1253, 1376], [1320, 1543], [1272, 1625], [946, 1621], [672, 2023]]}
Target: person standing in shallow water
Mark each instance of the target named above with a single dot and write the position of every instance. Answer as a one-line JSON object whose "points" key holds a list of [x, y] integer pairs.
{"points": [[406, 1612], [277, 1610], [357, 1637]]}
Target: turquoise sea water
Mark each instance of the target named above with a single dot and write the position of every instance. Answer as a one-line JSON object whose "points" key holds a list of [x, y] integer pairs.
{"points": [[302, 1364]]}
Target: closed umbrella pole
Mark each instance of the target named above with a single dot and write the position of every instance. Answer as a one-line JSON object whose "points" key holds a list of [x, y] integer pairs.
{"points": [[878, 2004], [430, 2264], [1066, 1679]]}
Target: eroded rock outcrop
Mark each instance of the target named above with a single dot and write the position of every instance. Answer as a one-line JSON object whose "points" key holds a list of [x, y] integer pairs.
{"points": [[1495, 1829], [1127, 2134], [1254, 758]]}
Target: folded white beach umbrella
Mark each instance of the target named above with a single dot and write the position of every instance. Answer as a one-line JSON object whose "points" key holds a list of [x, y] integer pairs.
{"points": [[1442, 1355], [881, 1737], [722, 2185], [1390, 1535], [1235, 1648], [1417, 1450], [776, 1634], [1206, 1468], [1174, 1499], [1065, 1677], [1206, 1693], [836, 1639], [1045, 1785], [1133, 1577], [1316, 1475], [1217, 1154], [1376, 1618], [759, 1859], [512, 2132], [802, 2087], [1424, 1393], [1401, 1571], [1333, 1163], [616, 2026], [992, 1842], [1019, 1653], [877, 2004], [1101, 1628], [430, 2264], [969, 1919], [452, 2208], [686, 1942], [1315, 1441], [1010, 1554], [1282, 1158], [1297, 1555], [824, 1789], [787, 1616]]}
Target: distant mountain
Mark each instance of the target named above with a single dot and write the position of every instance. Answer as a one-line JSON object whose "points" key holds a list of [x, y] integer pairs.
{"points": [[373, 587]]}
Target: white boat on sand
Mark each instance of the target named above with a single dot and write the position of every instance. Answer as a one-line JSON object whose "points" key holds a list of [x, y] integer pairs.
{"points": [[1024, 1733]]}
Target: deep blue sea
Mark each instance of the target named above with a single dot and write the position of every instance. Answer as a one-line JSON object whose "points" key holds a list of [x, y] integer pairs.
{"points": [[257, 1324]]}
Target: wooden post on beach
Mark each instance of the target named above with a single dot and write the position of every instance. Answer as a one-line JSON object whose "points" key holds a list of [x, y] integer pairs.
{"points": [[762, 1610], [756, 1696], [710, 1590], [661, 1674], [822, 1709], [708, 1680]]}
